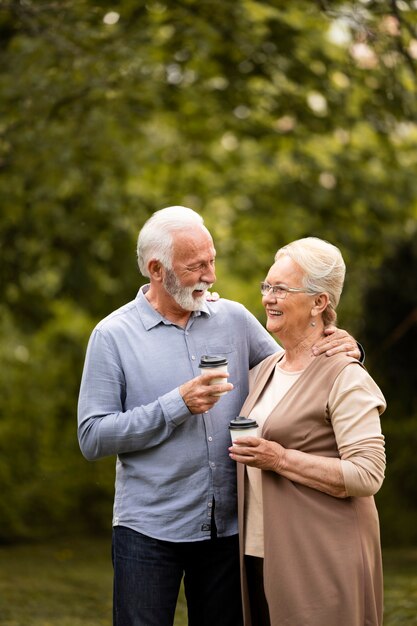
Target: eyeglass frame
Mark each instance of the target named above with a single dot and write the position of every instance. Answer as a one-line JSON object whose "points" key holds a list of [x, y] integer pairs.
{"points": [[266, 288]]}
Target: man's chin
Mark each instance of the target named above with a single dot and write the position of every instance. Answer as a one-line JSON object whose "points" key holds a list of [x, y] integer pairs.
{"points": [[199, 300], [192, 303]]}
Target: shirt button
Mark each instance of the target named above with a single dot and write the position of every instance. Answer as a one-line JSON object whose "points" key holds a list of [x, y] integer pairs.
{"points": [[212, 464], [210, 438], [209, 504], [193, 358]]}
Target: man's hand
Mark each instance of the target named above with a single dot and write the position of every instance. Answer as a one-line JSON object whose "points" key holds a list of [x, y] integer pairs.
{"points": [[337, 340], [197, 393]]}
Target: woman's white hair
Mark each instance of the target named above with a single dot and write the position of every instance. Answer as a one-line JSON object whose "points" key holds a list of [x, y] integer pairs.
{"points": [[323, 267], [155, 237]]}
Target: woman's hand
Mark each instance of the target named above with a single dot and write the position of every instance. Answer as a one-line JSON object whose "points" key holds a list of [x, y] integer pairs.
{"points": [[257, 452], [321, 473], [212, 296]]}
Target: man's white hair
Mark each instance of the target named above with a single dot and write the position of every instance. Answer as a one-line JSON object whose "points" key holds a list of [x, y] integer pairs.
{"points": [[155, 237]]}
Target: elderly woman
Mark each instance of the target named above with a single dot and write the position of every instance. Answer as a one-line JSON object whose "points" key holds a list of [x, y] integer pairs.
{"points": [[309, 527]]}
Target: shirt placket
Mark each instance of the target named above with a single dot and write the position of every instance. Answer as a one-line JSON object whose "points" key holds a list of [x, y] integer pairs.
{"points": [[206, 526]]}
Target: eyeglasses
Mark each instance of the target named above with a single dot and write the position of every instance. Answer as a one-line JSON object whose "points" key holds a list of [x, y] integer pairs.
{"points": [[280, 291]]}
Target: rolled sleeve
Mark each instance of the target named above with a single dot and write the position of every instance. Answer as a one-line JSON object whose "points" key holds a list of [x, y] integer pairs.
{"points": [[174, 407], [355, 406]]}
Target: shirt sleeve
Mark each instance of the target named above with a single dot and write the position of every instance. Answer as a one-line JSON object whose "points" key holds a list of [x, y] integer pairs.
{"points": [[261, 343], [355, 404], [104, 427]]}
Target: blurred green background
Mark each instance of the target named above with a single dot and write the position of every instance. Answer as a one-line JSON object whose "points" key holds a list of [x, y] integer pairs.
{"points": [[275, 120]]}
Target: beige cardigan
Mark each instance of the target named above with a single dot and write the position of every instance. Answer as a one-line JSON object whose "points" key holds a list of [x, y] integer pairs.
{"points": [[322, 554]]}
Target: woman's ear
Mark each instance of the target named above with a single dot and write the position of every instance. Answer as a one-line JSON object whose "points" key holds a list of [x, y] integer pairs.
{"points": [[321, 301]]}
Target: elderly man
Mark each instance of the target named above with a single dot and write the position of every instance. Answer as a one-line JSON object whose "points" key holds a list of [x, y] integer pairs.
{"points": [[142, 398]]}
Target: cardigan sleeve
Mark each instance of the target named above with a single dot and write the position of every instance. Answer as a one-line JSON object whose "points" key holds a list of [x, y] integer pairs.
{"points": [[355, 404], [253, 374]]}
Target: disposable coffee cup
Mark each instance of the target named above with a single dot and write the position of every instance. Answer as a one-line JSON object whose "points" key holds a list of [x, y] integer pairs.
{"points": [[214, 363], [243, 427]]}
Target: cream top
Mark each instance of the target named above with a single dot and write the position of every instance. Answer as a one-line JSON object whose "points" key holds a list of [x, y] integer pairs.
{"points": [[355, 403]]}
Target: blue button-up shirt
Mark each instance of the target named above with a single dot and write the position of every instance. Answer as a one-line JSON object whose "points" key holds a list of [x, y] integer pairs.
{"points": [[171, 464]]}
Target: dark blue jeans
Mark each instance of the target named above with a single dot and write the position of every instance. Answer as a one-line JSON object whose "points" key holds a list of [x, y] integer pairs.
{"points": [[148, 574]]}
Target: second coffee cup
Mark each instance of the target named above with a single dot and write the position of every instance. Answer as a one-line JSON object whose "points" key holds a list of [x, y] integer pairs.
{"points": [[243, 427], [214, 363]]}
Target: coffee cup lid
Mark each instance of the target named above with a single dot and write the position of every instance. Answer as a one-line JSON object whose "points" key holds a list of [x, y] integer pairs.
{"points": [[212, 360], [242, 423]]}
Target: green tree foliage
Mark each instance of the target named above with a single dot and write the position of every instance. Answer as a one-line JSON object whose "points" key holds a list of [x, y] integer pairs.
{"points": [[392, 330], [273, 119], [392, 334]]}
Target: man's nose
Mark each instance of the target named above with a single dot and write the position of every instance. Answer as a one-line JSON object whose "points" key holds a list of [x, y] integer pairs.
{"points": [[209, 275]]}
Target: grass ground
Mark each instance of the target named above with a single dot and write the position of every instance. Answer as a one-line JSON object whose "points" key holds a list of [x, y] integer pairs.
{"points": [[69, 584]]}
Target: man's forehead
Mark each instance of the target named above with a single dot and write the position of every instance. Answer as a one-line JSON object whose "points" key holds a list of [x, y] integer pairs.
{"points": [[192, 243]]}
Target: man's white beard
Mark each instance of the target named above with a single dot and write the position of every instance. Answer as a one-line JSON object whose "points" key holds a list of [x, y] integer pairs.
{"points": [[183, 296]]}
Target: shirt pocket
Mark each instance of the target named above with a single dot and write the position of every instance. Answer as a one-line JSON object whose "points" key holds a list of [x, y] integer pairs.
{"points": [[229, 352]]}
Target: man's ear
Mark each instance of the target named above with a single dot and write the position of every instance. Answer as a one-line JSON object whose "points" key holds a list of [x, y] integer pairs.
{"points": [[156, 270]]}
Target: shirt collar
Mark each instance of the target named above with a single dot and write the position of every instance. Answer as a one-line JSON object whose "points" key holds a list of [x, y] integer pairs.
{"points": [[150, 317]]}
